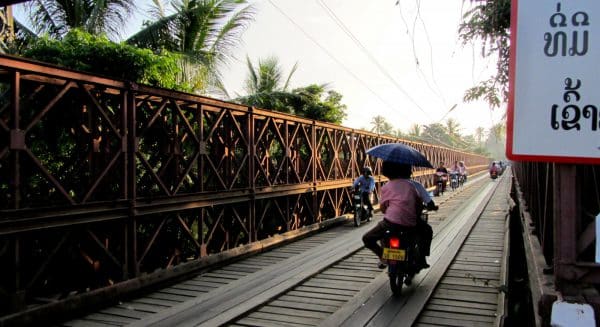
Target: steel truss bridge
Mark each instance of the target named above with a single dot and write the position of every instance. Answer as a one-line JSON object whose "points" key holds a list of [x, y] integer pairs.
{"points": [[107, 186]]}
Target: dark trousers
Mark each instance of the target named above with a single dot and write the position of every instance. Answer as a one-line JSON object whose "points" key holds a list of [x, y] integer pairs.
{"points": [[367, 200], [422, 229]]}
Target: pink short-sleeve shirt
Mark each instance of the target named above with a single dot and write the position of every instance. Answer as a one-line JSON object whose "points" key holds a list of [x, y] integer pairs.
{"points": [[398, 202]]}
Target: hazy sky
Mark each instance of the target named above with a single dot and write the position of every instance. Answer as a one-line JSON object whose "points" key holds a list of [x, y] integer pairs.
{"points": [[378, 74], [398, 59]]}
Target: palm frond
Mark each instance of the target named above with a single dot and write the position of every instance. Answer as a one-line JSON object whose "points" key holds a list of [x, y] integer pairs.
{"points": [[287, 81], [229, 35], [47, 17], [156, 35]]}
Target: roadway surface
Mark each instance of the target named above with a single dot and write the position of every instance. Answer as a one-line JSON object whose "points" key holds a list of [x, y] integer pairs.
{"points": [[330, 279]]}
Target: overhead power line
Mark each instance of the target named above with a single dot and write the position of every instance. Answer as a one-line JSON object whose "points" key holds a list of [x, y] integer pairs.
{"points": [[371, 58], [330, 55], [418, 16]]}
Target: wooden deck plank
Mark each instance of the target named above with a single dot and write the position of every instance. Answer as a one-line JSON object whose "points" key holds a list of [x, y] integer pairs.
{"points": [[469, 281], [192, 288], [256, 322], [488, 289], [124, 312], [285, 319], [215, 280], [169, 297], [459, 304], [294, 312], [334, 284], [200, 282], [101, 317], [142, 307], [181, 292], [86, 323], [320, 290], [436, 321], [325, 275], [458, 316], [310, 300], [463, 310], [323, 296], [304, 306], [155, 301]]}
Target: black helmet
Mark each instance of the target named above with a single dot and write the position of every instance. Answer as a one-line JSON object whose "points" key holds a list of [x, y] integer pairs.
{"points": [[367, 171]]}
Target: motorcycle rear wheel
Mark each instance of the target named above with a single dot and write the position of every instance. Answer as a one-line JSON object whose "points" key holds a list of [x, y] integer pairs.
{"points": [[396, 282], [356, 218]]}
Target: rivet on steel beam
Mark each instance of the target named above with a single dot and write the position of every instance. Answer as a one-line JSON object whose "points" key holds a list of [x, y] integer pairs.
{"points": [[202, 147], [17, 139]]}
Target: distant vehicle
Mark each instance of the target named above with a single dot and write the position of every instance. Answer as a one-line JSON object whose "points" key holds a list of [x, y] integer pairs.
{"points": [[496, 169]]}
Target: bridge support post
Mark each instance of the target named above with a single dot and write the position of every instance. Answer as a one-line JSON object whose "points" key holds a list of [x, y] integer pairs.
{"points": [[566, 218]]}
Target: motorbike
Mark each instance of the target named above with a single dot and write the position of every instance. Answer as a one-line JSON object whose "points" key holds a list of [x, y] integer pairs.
{"points": [[454, 183], [401, 251], [494, 174], [439, 183], [361, 211]]}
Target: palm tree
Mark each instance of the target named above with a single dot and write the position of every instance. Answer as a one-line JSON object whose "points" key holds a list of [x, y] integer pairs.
{"points": [[378, 123], [498, 131], [415, 131], [267, 77], [57, 17], [266, 88], [479, 135], [203, 31], [452, 127]]}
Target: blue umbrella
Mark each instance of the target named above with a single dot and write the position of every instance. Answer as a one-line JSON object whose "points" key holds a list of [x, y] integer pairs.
{"points": [[399, 153]]}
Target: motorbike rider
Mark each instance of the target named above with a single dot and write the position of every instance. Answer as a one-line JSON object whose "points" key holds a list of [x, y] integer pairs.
{"points": [[455, 168], [401, 202], [443, 172], [366, 185], [494, 168], [462, 170]]}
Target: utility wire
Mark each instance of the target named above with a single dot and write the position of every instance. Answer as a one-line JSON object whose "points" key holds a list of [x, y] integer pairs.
{"points": [[335, 59], [417, 63], [371, 58]]}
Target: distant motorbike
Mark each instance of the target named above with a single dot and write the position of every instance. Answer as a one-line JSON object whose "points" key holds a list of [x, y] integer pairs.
{"points": [[454, 182], [361, 211], [440, 179], [494, 174], [401, 251]]}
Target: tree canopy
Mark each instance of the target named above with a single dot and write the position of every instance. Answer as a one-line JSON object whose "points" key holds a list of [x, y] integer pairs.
{"points": [[266, 88], [489, 21], [204, 32]]}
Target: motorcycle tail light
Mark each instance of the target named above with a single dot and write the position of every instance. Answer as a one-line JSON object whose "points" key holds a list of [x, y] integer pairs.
{"points": [[395, 243]]}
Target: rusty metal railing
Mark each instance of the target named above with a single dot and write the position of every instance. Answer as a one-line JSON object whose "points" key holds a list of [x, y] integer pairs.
{"points": [[102, 181], [561, 202]]}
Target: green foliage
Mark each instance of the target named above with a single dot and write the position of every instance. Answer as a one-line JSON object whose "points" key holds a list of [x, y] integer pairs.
{"points": [[266, 89], [96, 54], [204, 32], [58, 17], [489, 21], [382, 126], [319, 104], [312, 102]]}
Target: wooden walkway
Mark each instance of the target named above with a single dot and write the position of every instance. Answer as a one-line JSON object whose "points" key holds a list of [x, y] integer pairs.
{"points": [[471, 293], [329, 279]]}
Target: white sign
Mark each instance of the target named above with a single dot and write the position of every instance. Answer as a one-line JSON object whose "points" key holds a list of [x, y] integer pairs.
{"points": [[554, 106]]}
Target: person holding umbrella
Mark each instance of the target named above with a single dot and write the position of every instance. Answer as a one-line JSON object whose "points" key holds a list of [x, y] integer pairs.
{"points": [[401, 198]]}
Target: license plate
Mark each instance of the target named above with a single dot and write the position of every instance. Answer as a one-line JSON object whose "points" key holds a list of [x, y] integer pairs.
{"points": [[394, 254]]}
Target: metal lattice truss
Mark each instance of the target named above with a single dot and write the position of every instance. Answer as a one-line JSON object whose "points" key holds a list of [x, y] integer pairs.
{"points": [[103, 180]]}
